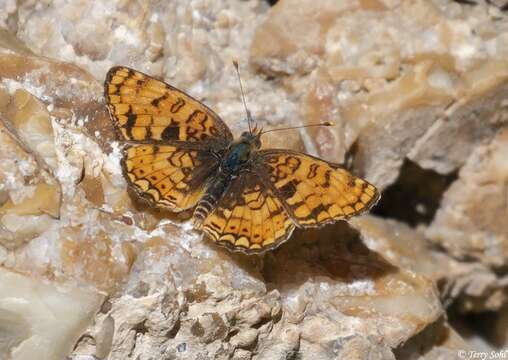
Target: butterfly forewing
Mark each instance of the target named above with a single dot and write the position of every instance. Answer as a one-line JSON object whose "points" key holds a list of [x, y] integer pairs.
{"points": [[249, 217], [315, 192], [148, 110]]}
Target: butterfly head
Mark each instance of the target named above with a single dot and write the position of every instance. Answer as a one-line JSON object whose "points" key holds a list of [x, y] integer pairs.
{"points": [[253, 138]]}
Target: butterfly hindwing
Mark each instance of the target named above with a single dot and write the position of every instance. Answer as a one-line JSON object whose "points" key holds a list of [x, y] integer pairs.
{"points": [[168, 176], [249, 217], [145, 109], [315, 191]]}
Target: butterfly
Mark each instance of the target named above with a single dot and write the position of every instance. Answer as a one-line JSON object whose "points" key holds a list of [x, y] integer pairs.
{"points": [[179, 155]]}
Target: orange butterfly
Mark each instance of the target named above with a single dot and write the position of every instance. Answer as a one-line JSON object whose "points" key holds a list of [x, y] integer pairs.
{"points": [[180, 155]]}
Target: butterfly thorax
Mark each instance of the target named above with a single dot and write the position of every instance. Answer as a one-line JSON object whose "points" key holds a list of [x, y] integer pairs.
{"points": [[235, 159], [239, 153]]}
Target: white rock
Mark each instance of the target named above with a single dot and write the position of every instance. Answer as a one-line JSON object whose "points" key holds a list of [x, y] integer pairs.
{"points": [[41, 318]]}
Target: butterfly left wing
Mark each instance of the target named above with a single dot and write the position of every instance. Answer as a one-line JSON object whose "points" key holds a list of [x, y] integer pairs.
{"points": [[314, 191], [249, 217], [168, 176], [144, 109]]}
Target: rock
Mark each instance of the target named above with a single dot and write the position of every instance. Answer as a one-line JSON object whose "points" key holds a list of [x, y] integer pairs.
{"points": [[43, 210], [472, 286], [283, 344], [41, 318], [501, 329], [245, 339], [432, 93], [31, 196], [423, 346], [396, 88], [463, 228], [465, 224], [421, 83], [218, 313], [354, 283]]}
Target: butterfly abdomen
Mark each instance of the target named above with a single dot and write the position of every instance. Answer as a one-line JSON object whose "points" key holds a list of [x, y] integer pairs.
{"points": [[212, 196]]}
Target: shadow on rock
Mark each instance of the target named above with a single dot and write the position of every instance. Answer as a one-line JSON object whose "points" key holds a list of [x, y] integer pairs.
{"points": [[335, 252]]}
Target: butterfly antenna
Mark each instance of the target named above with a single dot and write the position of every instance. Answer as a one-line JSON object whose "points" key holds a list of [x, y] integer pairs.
{"points": [[249, 117], [326, 123]]}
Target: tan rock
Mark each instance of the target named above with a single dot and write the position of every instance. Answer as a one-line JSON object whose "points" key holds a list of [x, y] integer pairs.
{"points": [[470, 222], [32, 197], [439, 341], [421, 79], [469, 225], [471, 285], [395, 87], [42, 318]]}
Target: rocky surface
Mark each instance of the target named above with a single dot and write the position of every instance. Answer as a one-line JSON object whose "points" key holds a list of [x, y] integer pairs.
{"points": [[464, 224], [418, 92], [414, 84], [40, 317]]}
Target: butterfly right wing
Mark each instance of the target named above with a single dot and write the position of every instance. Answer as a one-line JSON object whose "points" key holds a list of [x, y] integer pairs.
{"points": [[144, 109], [314, 191], [167, 176]]}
